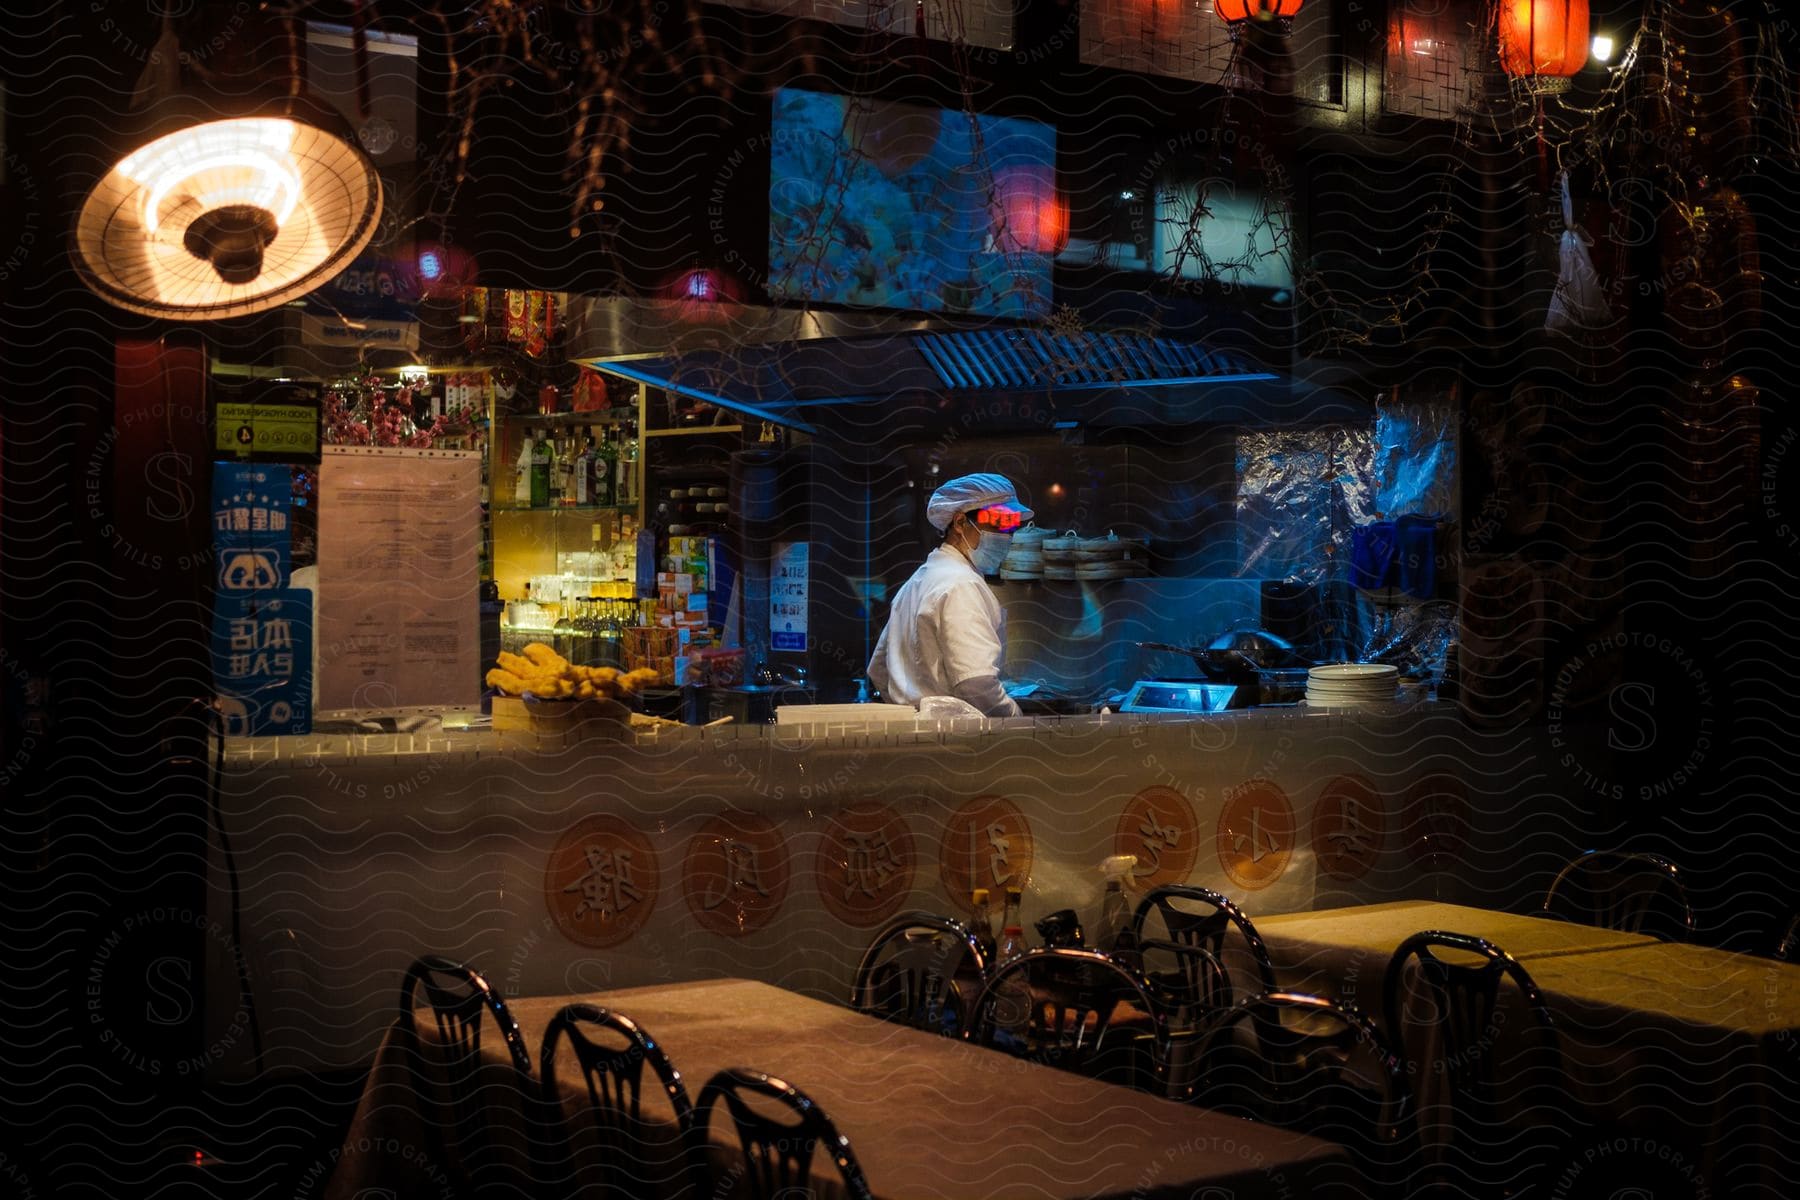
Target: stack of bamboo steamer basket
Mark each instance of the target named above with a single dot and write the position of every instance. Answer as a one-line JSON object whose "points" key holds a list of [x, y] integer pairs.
{"points": [[1025, 559], [1070, 556]]}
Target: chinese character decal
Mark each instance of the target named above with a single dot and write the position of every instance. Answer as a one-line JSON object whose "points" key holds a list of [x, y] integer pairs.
{"points": [[736, 873], [1159, 828], [988, 844], [1256, 834], [600, 881], [1348, 828], [865, 864], [607, 888]]}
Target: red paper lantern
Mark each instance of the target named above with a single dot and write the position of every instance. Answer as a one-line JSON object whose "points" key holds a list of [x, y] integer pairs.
{"points": [[1543, 41], [1233, 11], [1033, 217]]}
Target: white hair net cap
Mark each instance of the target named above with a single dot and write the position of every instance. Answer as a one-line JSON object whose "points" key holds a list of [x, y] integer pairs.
{"points": [[967, 492]]}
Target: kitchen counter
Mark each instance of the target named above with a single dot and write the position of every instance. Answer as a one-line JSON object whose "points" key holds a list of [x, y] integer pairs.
{"points": [[774, 852]]}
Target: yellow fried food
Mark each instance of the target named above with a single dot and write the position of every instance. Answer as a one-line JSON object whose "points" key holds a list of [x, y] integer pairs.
{"points": [[505, 681], [516, 663], [546, 658]]}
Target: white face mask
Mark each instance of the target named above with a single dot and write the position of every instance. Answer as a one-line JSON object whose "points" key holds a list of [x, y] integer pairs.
{"points": [[990, 551]]}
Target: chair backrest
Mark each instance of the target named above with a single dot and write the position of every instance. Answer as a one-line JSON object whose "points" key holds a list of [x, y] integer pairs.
{"points": [[1312, 1065], [1787, 948], [1057, 1006], [457, 994], [1465, 1015], [614, 1079], [1200, 918], [908, 973], [777, 1154], [1635, 893]]}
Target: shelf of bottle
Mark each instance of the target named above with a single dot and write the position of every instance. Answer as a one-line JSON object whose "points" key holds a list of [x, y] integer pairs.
{"points": [[604, 416], [560, 508], [692, 431]]}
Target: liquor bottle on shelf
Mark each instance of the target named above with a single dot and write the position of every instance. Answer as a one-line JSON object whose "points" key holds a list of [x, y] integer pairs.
{"points": [[543, 462], [562, 471], [562, 634], [583, 473], [606, 471], [608, 638], [526, 465], [630, 471]]}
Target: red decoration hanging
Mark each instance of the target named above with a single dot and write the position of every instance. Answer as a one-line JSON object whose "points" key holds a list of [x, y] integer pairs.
{"points": [[1032, 216], [1543, 42], [1233, 11]]}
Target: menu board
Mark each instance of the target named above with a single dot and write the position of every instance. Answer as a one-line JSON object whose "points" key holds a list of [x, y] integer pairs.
{"points": [[399, 537]]}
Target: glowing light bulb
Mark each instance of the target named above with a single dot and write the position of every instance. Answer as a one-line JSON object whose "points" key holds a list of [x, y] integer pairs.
{"points": [[1602, 48], [219, 165]]}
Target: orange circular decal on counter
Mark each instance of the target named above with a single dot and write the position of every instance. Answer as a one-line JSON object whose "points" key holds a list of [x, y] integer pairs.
{"points": [[1348, 827], [600, 881], [1257, 832], [865, 864], [1435, 820], [987, 844], [1159, 827], [736, 873]]}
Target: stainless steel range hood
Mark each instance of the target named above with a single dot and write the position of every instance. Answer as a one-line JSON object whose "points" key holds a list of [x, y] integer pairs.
{"points": [[921, 377]]}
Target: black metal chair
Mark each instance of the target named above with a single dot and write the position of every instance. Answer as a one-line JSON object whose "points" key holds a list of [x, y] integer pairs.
{"points": [[1787, 947], [909, 973], [1634, 893], [1483, 1152], [1330, 1074], [1199, 985], [457, 996], [777, 1155], [615, 1079], [1059, 1007]]}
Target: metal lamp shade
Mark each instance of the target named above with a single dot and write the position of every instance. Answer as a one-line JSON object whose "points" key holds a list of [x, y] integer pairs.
{"points": [[214, 213]]}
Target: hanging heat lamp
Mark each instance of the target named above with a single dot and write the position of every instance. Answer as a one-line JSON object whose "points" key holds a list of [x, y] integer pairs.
{"points": [[224, 206], [1543, 42]]}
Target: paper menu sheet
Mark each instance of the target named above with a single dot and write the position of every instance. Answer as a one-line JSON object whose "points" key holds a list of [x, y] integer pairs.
{"points": [[399, 545]]}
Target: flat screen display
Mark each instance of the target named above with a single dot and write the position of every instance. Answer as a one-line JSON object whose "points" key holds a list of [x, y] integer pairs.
{"points": [[898, 206]]}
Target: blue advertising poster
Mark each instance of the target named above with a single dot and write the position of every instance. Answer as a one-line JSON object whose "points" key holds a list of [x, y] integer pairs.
{"points": [[262, 629], [252, 504], [788, 586], [262, 648]]}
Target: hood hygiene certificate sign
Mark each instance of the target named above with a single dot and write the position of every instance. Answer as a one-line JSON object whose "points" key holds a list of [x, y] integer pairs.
{"points": [[399, 537]]}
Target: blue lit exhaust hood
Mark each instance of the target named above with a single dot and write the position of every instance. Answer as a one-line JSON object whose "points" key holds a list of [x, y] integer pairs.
{"points": [[925, 379]]}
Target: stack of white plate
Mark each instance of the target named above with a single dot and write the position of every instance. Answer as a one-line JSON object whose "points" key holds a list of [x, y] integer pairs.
{"points": [[1350, 685]]}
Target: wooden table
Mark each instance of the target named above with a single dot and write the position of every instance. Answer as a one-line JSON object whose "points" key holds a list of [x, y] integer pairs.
{"points": [[1692, 1048], [926, 1116], [1687, 1053]]}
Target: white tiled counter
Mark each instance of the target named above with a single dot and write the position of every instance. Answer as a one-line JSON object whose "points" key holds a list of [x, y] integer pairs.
{"points": [[354, 853]]}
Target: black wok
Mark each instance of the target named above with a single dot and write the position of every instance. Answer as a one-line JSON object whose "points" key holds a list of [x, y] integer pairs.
{"points": [[1237, 656]]}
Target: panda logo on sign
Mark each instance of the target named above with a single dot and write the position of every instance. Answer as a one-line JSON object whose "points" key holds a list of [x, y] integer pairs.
{"points": [[248, 571]]}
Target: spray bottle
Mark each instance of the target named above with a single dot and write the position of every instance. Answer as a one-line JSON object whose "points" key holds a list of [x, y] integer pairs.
{"points": [[1113, 934]]}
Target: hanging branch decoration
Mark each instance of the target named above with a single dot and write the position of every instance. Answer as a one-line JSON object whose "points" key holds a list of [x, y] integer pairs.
{"points": [[363, 413]]}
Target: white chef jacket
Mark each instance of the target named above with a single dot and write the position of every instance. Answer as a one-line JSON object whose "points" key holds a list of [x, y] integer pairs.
{"points": [[945, 636]]}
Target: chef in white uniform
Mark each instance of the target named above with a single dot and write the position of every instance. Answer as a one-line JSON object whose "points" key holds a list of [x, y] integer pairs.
{"points": [[945, 633]]}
